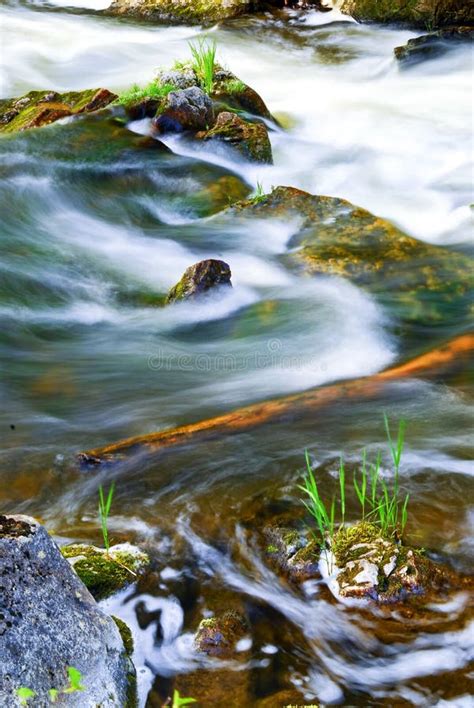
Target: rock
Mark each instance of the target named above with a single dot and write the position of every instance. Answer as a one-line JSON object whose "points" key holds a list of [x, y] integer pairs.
{"points": [[249, 139], [199, 278], [292, 553], [417, 13], [185, 109], [105, 573], [432, 45], [335, 237], [180, 11], [370, 566], [230, 91], [49, 622], [218, 636], [179, 78], [38, 108]]}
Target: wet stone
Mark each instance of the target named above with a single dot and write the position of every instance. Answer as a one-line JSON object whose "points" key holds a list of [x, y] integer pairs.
{"points": [[40, 591]]}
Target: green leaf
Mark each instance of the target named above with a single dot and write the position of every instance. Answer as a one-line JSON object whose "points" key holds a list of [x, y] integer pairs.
{"points": [[53, 694], [179, 701], [24, 694], [75, 678]]}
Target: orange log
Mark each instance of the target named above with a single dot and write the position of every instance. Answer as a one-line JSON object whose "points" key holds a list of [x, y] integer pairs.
{"points": [[430, 364]]}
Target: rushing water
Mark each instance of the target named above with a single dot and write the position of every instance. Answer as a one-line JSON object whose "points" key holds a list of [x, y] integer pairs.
{"points": [[96, 225]]}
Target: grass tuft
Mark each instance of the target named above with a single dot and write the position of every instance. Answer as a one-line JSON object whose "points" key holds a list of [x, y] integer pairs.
{"points": [[204, 62], [381, 503]]}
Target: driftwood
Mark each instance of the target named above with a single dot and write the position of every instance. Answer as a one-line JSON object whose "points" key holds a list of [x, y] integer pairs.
{"points": [[433, 363]]}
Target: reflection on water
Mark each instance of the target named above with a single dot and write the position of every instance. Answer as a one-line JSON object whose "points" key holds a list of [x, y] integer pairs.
{"points": [[99, 222]]}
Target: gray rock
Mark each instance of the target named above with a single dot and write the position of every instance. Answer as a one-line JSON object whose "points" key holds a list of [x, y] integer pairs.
{"points": [[181, 79], [186, 109], [49, 622]]}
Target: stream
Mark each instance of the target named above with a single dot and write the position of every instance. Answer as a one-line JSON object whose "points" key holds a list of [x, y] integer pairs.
{"points": [[91, 234]]}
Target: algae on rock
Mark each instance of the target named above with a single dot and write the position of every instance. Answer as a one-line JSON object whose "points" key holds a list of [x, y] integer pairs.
{"points": [[39, 108], [335, 237]]}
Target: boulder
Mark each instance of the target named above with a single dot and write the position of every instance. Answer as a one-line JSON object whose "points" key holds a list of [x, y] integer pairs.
{"points": [[218, 636], [38, 108], [180, 11], [102, 572], [230, 92], [49, 622], [185, 109], [416, 13], [432, 45], [370, 566], [200, 278], [419, 282], [248, 139]]}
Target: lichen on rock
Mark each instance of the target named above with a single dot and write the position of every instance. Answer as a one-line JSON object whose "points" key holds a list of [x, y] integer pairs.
{"points": [[102, 572], [366, 565]]}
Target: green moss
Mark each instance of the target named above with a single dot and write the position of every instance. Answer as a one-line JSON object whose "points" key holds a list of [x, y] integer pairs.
{"points": [[186, 11], [152, 91], [38, 108], [272, 549], [235, 86], [125, 633], [348, 537], [102, 573]]}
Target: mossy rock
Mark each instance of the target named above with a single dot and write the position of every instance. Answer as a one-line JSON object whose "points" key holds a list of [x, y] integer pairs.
{"points": [[105, 573], [372, 566], [432, 45], [127, 639], [418, 281], [39, 108], [180, 11], [431, 14], [250, 140], [199, 278], [218, 636], [230, 92], [295, 556]]}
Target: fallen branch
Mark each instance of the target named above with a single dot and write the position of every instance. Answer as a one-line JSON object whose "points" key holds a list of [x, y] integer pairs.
{"points": [[430, 364]]}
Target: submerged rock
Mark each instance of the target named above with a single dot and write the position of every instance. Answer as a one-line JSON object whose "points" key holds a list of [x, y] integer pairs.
{"points": [[218, 636], [417, 13], [433, 45], [419, 281], [49, 622], [105, 573], [179, 11], [249, 139], [292, 552], [38, 108], [370, 566], [199, 278], [185, 109]]}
